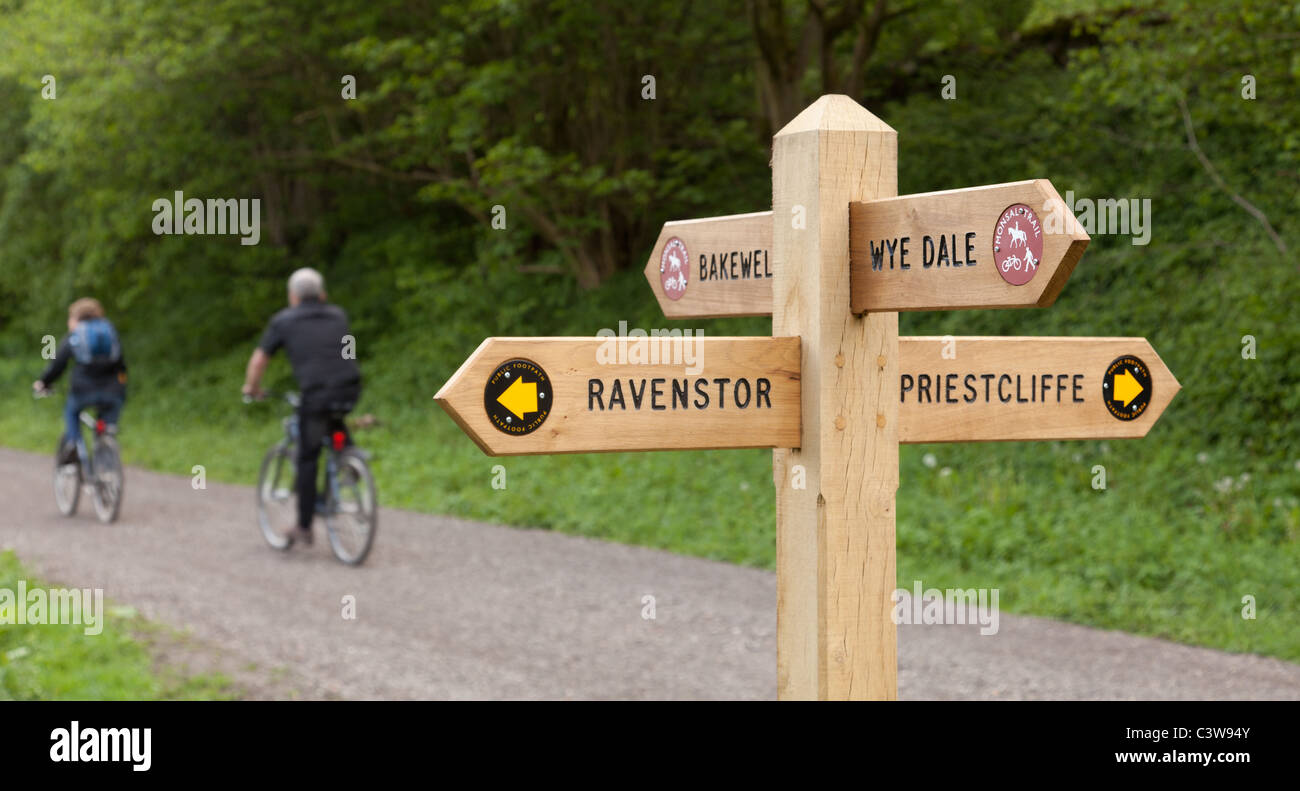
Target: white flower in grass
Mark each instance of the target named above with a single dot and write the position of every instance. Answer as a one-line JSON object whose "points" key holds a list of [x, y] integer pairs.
{"points": [[929, 460], [1223, 485], [1203, 457], [945, 472]]}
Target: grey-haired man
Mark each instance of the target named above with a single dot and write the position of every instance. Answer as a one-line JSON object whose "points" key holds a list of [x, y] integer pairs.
{"points": [[311, 331]]}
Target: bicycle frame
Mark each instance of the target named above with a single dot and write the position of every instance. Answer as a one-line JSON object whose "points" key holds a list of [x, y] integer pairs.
{"points": [[327, 505], [84, 454]]}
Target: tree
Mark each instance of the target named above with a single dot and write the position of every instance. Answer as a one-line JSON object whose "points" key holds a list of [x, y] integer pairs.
{"points": [[539, 108]]}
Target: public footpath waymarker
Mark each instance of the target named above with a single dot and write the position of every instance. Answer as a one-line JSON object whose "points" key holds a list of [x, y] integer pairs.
{"points": [[1001, 246], [519, 396], [835, 390]]}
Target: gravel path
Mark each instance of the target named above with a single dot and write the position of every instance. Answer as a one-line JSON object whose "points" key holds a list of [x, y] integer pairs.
{"points": [[447, 608]]}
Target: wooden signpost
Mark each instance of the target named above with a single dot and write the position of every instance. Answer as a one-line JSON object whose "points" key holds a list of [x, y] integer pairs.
{"points": [[835, 390]]}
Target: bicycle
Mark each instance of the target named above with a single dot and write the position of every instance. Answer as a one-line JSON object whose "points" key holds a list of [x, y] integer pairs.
{"points": [[349, 504], [98, 469]]}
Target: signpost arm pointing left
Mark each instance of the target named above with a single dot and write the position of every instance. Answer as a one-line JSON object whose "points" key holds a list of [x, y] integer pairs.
{"points": [[716, 239], [728, 393]]}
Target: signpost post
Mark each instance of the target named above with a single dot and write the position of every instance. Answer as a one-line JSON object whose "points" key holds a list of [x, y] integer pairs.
{"points": [[835, 390], [834, 537]]}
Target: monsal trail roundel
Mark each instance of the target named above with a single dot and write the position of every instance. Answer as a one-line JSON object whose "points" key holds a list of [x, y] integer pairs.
{"points": [[1018, 244], [674, 268]]}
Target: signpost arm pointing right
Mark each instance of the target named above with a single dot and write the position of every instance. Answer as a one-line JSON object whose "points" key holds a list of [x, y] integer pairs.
{"points": [[835, 537]]}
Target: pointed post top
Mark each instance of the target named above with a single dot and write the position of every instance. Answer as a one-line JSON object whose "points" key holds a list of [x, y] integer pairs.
{"points": [[837, 112]]}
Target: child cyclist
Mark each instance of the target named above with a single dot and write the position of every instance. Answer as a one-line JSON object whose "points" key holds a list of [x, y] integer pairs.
{"points": [[98, 373]]}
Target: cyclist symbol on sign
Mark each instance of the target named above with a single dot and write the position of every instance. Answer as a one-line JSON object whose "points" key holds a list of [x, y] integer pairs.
{"points": [[674, 264]]}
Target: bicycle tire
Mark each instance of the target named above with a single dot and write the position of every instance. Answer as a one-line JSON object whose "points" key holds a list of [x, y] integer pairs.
{"points": [[288, 503], [356, 464], [66, 501], [110, 480]]}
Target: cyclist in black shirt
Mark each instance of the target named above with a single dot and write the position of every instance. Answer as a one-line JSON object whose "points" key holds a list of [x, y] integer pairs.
{"points": [[312, 333]]}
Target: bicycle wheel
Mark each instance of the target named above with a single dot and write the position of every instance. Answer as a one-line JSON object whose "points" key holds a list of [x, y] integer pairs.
{"points": [[354, 518], [108, 479], [67, 483], [277, 507]]}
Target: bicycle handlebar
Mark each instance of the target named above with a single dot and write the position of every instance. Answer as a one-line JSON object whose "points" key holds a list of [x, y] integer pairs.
{"points": [[86, 419], [293, 398]]}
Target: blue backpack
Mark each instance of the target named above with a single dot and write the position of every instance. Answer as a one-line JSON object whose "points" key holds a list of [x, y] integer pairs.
{"points": [[95, 341]]}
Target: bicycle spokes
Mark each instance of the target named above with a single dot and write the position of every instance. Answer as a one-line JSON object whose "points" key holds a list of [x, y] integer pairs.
{"points": [[352, 519], [276, 505]]}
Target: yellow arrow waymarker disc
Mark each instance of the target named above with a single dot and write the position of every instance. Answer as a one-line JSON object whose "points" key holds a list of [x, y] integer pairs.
{"points": [[518, 397], [1126, 387]]}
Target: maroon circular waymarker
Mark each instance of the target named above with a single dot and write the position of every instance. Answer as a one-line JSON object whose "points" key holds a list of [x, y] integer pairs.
{"points": [[1018, 244], [674, 268]]}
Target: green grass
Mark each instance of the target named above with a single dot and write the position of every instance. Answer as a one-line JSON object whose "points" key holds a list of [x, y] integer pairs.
{"points": [[62, 662]]}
